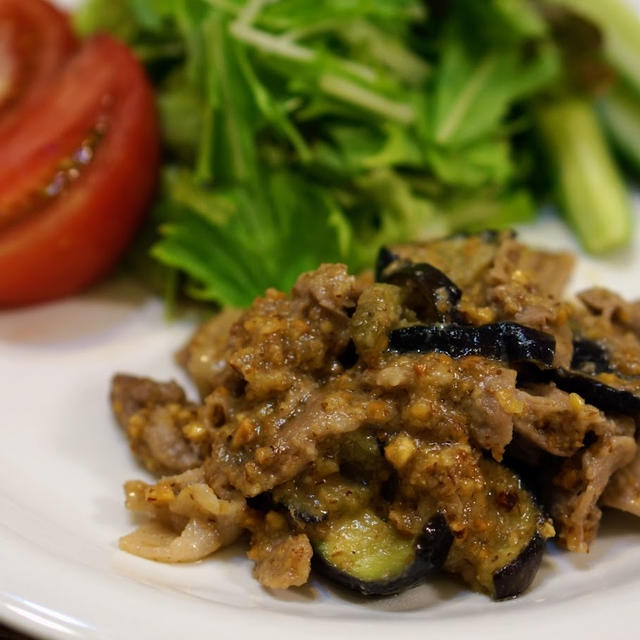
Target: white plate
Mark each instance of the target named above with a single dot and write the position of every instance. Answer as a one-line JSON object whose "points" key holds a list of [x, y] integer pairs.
{"points": [[63, 461]]}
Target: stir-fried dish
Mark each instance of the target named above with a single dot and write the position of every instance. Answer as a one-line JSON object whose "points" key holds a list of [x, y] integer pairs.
{"points": [[450, 413]]}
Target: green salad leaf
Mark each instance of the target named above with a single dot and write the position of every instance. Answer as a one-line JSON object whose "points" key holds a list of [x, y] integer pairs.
{"points": [[236, 242], [298, 132], [472, 95]]}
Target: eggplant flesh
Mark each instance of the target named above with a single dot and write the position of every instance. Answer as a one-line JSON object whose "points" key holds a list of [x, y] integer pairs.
{"points": [[367, 555], [508, 342], [515, 577], [503, 555]]}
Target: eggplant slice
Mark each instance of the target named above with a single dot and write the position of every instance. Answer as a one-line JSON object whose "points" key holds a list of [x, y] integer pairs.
{"points": [[515, 577], [368, 555], [301, 509], [503, 556], [589, 357], [263, 502], [507, 342], [384, 259], [596, 392], [592, 390], [429, 292], [310, 499]]}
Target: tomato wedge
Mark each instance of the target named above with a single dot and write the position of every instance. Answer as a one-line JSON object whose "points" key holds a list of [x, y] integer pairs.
{"points": [[77, 171], [35, 40]]}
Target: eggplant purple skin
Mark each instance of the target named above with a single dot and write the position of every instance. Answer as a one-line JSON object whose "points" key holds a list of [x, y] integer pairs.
{"points": [[504, 341], [349, 357], [307, 518], [597, 393], [517, 576], [264, 502], [384, 259], [428, 289], [589, 356], [432, 548], [427, 285], [386, 256], [590, 389]]}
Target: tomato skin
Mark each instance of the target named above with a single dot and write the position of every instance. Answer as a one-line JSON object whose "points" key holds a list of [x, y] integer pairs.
{"points": [[75, 237], [36, 39]]}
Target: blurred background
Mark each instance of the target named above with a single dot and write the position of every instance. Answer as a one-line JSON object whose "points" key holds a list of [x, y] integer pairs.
{"points": [[290, 133]]}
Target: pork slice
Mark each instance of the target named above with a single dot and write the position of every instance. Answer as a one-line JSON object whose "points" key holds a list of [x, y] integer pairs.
{"points": [[524, 286], [491, 407], [129, 394], [615, 324], [463, 399], [282, 559], [578, 486], [557, 422], [298, 441], [611, 306], [544, 272], [156, 437], [280, 338], [464, 259], [330, 287], [154, 416], [204, 356], [623, 490]]}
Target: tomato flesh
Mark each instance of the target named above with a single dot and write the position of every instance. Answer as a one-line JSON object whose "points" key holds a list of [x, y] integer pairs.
{"points": [[77, 172], [35, 41]]}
